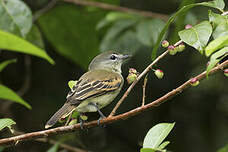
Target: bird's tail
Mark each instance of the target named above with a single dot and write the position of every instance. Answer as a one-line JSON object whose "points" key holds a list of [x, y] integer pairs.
{"points": [[63, 112]]}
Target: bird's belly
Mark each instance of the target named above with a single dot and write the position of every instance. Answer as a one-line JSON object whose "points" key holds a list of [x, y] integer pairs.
{"points": [[101, 102]]}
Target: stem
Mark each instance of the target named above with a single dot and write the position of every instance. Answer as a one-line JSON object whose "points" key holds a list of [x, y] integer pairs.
{"points": [[118, 8]]}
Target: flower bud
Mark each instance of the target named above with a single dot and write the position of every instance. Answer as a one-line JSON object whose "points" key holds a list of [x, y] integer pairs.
{"points": [[226, 72], [180, 47], [194, 82], [132, 76], [159, 73], [165, 43], [172, 50], [188, 26]]}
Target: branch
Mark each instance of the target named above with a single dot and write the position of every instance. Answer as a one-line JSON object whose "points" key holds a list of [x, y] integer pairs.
{"points": [[139, 77], [53, 142], [111, 119], [118, 8], [40, 12]]}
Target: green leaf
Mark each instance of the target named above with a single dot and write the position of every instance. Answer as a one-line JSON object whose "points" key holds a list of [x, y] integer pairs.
{"points": [[216, 57], [1, 148], [15, 17], [157, 134], [220, 24], [121, 37], [223, 149], [5, 63], [34, 36], [163, 145], [8, 94], [112, 17], [216, 44], [6, 122], [147, 150], [173, 17], [72, 32], [12, 42], [54, 148], [218, 4], [197, 36], [147, 31]]}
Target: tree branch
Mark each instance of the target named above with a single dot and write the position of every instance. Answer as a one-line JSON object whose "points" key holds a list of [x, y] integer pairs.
{"points": [[139, 77], [111, 119], [118, 8]]}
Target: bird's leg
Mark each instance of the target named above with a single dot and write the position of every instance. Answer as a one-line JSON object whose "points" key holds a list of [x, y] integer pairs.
{"points": [[102, 116], [81, 121]]}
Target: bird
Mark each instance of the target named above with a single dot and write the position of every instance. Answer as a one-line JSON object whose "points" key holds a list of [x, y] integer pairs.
{"points": [[95, 89]]}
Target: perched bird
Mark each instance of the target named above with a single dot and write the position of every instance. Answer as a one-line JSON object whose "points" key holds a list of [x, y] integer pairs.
{"points": [[96, 88]]}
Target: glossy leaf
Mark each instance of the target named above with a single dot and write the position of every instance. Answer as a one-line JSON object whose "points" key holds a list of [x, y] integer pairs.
{"points": [[157, 134], [216, 44], [147, 31], [34, 36], [197, 36], [8, 94], [2, 148], [120, 37], [5, 63], [218, 4], [223, 149], [174, 16], [220, 24], [12, 42], [71, 31], [6, 122], [54, 148], [216, 57], [112, 17], [15, 17]]}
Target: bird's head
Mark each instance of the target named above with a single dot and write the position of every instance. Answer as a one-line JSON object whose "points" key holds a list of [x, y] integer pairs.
{"points": [[110, 60]]}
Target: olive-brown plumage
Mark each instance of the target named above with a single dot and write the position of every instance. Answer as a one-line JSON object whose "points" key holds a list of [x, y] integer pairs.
{"points": [[99, 86]]}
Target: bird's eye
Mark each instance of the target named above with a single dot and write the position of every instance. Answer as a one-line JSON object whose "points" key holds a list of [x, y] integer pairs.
{"points": [[113, 57]]}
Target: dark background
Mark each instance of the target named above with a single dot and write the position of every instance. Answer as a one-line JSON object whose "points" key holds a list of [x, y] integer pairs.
{"points": [[200, 113]]}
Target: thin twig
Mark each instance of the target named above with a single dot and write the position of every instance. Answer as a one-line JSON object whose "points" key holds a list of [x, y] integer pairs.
{"points": [[53, 142], [40, 12], [71, 128], [139, 77], [118, 8], [144, 90]]}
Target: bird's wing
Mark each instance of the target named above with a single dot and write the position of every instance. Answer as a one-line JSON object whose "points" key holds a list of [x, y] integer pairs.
{"points": [[94, 83]]}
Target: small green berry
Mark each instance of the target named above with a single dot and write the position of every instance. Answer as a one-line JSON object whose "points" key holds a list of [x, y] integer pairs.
{"points": [[165, 43], [159, 73], [180, 47], [172, 50], [226, 72], [194, 82], [132, 76]]}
